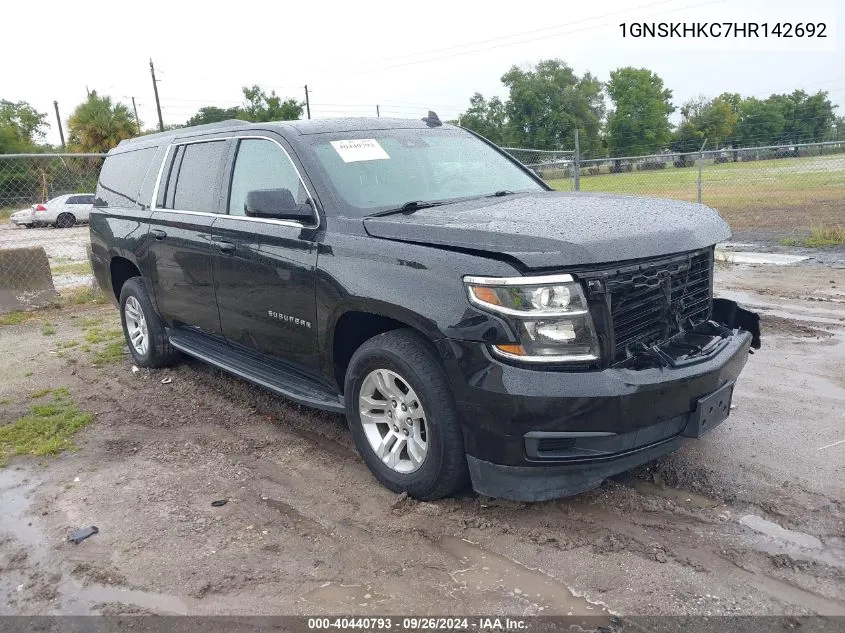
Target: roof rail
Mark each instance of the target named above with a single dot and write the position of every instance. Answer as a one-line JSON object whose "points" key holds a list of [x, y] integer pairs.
{"points": [[193, 128]]}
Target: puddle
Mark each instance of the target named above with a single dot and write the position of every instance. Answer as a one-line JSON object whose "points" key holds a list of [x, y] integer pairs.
{"points": [[798, 545], [683, 497], [485, 571], [745, 257], [16, 486], [351, 595], [730, 245]]}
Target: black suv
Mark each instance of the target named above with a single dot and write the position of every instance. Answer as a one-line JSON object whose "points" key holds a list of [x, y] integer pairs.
{"points": [[471, 323]]}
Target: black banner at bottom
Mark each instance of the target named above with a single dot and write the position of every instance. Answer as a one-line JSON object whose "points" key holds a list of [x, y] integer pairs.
{"points": [[473, 623]]}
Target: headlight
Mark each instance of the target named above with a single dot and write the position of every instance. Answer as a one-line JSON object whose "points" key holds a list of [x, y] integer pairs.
{"points": [[549, 315]]}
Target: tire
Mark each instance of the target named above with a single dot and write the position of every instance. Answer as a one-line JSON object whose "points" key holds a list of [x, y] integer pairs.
{"points": [[65, 220], [406, 358], [157, 352]]}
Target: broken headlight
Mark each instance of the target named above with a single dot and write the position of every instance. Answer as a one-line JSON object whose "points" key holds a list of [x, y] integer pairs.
{"points": [[549, 315]]}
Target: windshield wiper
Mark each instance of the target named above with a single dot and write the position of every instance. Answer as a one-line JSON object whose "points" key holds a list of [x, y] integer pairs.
{"points": [[503, 192], [408, 207]]}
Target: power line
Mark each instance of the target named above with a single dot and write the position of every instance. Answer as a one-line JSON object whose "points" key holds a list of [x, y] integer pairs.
{"points": [[533, 39], [512, 35]]}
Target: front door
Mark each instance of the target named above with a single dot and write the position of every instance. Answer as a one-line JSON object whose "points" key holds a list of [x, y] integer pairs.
{"points": [[265, 269], [181, 248]]}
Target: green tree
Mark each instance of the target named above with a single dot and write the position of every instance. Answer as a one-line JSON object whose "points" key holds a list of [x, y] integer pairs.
{"points": [[760, 122], [806, 118], [639, 122], [21, 127], [486, 118], [548, 102], [711, 119], [260, 106], [213, 114], [97, 124]]}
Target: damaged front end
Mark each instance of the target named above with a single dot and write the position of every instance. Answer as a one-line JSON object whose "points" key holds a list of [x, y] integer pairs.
{"points": [[661, 313], [697, 341]]}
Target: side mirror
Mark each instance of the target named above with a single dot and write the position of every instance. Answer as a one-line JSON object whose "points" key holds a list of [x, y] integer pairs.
{"points": [[275, 203]]}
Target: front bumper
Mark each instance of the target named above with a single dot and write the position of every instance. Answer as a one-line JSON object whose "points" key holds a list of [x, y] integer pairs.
{"points": [[532, 435]]}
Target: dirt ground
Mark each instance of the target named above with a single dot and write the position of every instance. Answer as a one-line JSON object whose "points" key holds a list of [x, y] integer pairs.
{"points": [[747, 520]]}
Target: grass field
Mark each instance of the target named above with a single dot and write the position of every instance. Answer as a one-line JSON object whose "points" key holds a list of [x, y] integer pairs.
{"points": [[793, 194]]}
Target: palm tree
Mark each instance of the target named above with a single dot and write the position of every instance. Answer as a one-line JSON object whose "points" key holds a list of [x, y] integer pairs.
{"points": [[97, 125]]}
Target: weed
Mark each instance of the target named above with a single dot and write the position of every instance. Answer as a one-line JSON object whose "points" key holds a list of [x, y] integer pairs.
{"points": [[71, 268], [83, 295], [48, 329], [111, 353], [40, 393], [96, 335], [820, 237], [46, 430], [15, 318]]}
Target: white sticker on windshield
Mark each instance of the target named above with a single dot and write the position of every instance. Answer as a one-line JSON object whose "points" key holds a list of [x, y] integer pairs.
{"points": [[358, 149]]}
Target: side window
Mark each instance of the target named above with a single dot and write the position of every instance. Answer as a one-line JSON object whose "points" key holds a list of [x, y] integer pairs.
{"points": [[261, 164], [121, 177], [86, 199], [73, 200], [193, 179]]}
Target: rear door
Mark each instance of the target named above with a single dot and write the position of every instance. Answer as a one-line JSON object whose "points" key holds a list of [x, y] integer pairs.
{"points": [[80, 206], [186, 205], [264, 269]]}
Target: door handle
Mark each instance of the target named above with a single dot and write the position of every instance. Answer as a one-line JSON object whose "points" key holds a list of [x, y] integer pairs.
{"points": [[158, 234], [226, 247]]}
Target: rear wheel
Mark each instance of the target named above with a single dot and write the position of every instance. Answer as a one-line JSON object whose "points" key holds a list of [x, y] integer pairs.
{"points": [[402, 416], [143, 328], [65, 220]]}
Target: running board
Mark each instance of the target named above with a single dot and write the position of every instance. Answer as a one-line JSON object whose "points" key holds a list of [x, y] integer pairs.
{"points": [[266, 372]]}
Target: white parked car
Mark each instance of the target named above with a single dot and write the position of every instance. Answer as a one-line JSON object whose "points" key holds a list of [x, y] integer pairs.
{"points": [[62, 211]]}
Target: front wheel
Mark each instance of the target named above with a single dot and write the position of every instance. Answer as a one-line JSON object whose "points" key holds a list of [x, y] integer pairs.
{"points": [[402, 416]]}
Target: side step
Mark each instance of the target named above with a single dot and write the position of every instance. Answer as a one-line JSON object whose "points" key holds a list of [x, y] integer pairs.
{"points": [[261, 370]]}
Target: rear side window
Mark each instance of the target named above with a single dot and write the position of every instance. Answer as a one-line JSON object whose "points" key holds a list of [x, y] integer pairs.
{"points": [[121, 178], [194, 177], [80, 200]]}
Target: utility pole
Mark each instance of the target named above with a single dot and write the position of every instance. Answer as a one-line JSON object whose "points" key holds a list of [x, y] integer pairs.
{"points": [[378, 114], [59, 121], [155, 90], [137, 120], [307, 102]]}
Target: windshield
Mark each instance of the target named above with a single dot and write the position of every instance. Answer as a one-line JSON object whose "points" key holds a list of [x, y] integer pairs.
{"points": [[377, 170]]}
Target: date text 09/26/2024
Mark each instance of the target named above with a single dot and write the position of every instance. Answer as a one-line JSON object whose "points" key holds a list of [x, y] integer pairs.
{"points": [[418, 623]]}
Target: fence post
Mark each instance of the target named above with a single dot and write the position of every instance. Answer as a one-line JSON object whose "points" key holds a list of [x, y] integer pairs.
{"points": [[700, 165], [576, 171]]}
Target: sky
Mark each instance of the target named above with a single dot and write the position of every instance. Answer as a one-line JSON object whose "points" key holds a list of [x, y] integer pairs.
{"points": [[407, 57]]}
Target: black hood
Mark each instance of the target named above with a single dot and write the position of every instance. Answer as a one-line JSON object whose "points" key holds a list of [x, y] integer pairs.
{"points": [[550, 229]]}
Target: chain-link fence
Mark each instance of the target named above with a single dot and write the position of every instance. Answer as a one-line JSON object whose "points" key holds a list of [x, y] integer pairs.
{"points": [[45, 200], [789, 189], [777, 191]]}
